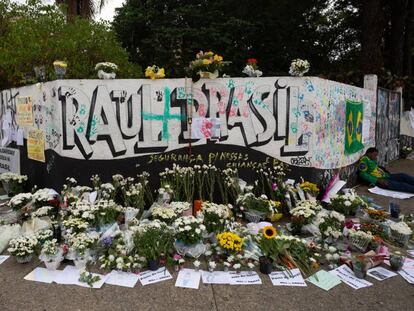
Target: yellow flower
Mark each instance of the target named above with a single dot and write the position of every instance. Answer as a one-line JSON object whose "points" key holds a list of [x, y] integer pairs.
{"points": [[209, 53], [60, 63], [269, 232], [206, 61], [218, 58]]}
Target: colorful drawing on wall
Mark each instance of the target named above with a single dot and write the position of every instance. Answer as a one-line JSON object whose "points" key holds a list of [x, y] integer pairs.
{"points": [[353, 129], [36, 145], [24, 111]]}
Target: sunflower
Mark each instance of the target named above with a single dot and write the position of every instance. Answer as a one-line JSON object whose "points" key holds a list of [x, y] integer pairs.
{"points": [[269, 232]]}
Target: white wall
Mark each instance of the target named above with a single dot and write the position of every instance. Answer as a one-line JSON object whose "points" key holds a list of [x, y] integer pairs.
{"points": [[300, 121]]}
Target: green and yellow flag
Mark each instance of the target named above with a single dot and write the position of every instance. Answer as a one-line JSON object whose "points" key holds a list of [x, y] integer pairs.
{"points": [[353, 127]]}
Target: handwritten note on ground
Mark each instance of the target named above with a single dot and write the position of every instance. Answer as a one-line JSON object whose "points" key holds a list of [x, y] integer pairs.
{"points": [[348, 277], [287, 278], [244, 278], [324, 280], [188, 278], [151, 277]]}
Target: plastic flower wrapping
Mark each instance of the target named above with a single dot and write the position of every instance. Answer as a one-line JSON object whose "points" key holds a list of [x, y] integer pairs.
{"points": [[299, 67]]}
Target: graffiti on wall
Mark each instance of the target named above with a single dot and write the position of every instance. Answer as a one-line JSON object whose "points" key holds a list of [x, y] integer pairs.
{"points": [[300, 121]]}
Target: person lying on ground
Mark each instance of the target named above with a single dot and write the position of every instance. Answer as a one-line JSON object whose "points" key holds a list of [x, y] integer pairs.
{"points": [[371, 172]]}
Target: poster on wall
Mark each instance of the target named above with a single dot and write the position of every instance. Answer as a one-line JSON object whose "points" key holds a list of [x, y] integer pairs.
{"points": [[36, 145], [24, 111], [9, 160], [354, 117]]}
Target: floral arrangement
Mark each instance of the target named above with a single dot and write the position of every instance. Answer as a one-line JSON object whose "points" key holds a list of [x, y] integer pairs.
{"points": [[375, 214], [251, 69], [106, 67], [374, 229], [310, 188], [13, 183], [81, 243], [154, 240], [44, 211], [43, 235], [43, 197], [304, 213], [401, 228], [154, 72], [60, 68], [75, 225], [107, 211], [107, 191], [230, 241], [22, 246], [20, 200], [360, 239], [189, 229], [50, 249], [260, 204], [346, 204], [165, 214], [84, 210], [180, 207], [134, 195], [299, 67], [207, 62], [214, 216], [330, 224]]}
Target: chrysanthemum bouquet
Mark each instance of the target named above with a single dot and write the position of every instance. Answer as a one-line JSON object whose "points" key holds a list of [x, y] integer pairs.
{"points": [[154, 72], [251, 69], [22, 246], [189, 229], [207, 62], [299, 67]]}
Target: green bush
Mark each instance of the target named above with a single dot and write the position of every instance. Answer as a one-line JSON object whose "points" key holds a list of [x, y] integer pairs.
{"points": [[35, 34]]}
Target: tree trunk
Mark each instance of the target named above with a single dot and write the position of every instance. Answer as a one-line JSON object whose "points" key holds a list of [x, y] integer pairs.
{"points": [[398, 18], [408, 41], [372, 36]]}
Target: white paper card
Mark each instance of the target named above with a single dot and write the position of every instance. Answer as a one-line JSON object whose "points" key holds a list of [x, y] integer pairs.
{"points": [[188, 278], [390, 193], [334, 190], [151, 277], [42, 275], [20, 137], [407, 274], [92, 196], [284, 278], [70, 276], [3, 258], [244, 278], [121, 278], [348, 277], [380, 274], [215, 277]]}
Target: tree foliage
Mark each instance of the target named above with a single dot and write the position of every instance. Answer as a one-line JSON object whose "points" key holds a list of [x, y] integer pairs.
{"points": [[37, 34]]}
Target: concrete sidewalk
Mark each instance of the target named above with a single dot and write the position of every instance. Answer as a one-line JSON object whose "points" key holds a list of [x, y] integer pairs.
{"points": [[391, 294]]}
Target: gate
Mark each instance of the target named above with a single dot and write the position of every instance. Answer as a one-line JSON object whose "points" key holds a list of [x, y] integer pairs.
{"points": [[388, 125]]}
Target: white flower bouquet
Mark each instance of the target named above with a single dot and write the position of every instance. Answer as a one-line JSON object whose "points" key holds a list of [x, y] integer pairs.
{"points": [[189, 229], [13, 183], [401, 232], [106, 66], [51, 254], [346, 204], [23, 248], [20, 200], [44, 235], [214, 216], [75, 225], [165, 214], [81, 243], [304, 213], [84, 210], [180, 207], [299, 67], [360, 239], [42, 197], [330, 224]]}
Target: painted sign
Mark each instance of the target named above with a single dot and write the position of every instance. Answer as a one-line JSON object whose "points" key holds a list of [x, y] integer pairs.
{"points": [[300, 121], [9, 160]]}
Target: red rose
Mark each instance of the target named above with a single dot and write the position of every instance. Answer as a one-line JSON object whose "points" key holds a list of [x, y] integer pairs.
{"points": [[252, 61]]}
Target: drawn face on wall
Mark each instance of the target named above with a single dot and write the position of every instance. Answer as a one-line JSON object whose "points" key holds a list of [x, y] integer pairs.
{"points": [[353, 128]]}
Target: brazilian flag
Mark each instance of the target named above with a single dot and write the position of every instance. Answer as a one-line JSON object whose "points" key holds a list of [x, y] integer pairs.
{"points": [[353, 127]]}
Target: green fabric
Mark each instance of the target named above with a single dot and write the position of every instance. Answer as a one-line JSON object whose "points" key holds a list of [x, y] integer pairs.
{"points": [[369, 170], [353, 127]]}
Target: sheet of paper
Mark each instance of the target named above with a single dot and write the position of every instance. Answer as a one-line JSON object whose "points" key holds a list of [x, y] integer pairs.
{"points": [[338, 185], [36, 145], [410, 252], [6, 138], [411, 116], [348, 277], [70, 276], [285, 278], [92, 196], [380, 274], [151, 277], [215, 277], [42, 275], [188, 278], [244, 278], [407, 274], [120, 278], [3, 258], [390, 193], [20, 137], [324, 280]]}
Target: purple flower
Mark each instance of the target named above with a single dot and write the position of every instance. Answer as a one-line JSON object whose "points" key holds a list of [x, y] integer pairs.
{"points": [[274, 186], [106, 242]]}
